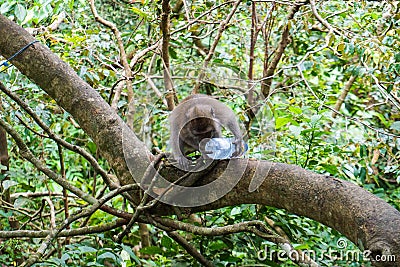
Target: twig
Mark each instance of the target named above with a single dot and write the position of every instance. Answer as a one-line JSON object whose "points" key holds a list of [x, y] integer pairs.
{"points": [[57, 139], [343, 95], [322, 20], [52, 213], [124, 60], [382, 89], [149, 174], [142, 53], [155, 89], [190, 249], [200, 16], [84, 213], [214, 45], [64, 233], [279, 51]]}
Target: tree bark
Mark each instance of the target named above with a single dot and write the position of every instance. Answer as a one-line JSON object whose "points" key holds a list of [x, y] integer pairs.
{"points": [[365, 219]]}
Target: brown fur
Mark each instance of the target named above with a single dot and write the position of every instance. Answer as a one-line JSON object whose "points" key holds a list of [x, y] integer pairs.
{"points": [[197, 117]]}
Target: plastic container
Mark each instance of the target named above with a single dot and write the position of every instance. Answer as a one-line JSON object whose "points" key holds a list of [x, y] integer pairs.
{"points": [[221, 148]]}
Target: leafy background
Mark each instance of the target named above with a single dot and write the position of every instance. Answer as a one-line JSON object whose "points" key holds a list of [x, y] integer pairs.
{"points": [[294, 126]]}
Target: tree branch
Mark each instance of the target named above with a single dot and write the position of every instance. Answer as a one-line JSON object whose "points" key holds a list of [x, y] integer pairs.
{"points": [[165, 29], [211, 52], [65, 233], [279, 51]]}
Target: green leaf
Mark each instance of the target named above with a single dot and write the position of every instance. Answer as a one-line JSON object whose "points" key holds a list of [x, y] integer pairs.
{"points": [[86, 249], [166, 242], [151, 250], [397, 57], [332, 169], [20, 12], [295, 130], [5, 7], [131, 253], [65, 257], [315, 119], [395, 126], [295, 110], [340, 47], [217, 245], [172, 53], [139, 12], [236, 211], [363, 151], [9, 183], [107, 255], [306, 65], [282, 121]]}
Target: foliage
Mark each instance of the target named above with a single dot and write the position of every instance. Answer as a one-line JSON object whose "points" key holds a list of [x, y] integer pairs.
{"points": [[294, 126]]}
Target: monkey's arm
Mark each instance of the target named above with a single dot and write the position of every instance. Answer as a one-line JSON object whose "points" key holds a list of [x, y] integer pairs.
{"points": [[233, 126], [177, 147]]}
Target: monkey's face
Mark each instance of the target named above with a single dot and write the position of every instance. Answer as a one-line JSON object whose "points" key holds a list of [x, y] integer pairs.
{"points": [[201, 126]]}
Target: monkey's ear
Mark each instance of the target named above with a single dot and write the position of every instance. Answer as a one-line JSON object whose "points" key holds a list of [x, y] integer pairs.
{"points": [[212, 112], [190, 113]]}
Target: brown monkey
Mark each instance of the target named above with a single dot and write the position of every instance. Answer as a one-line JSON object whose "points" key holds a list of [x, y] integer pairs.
{"points": [[197, 117]]}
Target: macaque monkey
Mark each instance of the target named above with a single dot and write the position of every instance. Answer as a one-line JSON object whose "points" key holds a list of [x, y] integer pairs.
{"points": [[198, 117]]}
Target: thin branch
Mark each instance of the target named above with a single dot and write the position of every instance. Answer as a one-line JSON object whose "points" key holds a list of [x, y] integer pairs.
{"points": [[124, 59], [190, 249], [256, 227], [211, 52], [54, 26], [84, 213], [155, 89], [28, 155], [382, 89], [279, 51], [65, 233], [343, 95], [57, 139], [322, 20], [52, 213], [142, 53], [200, 16]]}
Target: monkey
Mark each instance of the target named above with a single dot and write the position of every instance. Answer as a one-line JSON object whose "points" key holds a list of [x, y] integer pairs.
{"points": [[198, 117]]}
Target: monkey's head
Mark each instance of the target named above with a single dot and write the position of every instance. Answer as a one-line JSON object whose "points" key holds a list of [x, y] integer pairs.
{"points": [[201, 121]]}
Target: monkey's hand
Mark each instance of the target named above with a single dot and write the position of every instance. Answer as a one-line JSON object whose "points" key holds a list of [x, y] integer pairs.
{"points": [[239, 148], [183, 162]]}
